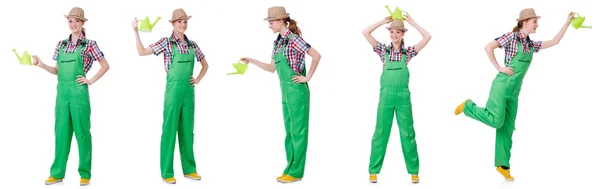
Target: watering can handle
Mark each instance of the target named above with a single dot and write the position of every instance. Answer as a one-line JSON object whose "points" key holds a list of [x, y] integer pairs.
{"points": [[576, 14]]}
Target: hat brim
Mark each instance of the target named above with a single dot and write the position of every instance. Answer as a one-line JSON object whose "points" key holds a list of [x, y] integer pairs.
{"points": [[76, 17], [403, 29], [182, 18], [521, 19], [277, 18]]}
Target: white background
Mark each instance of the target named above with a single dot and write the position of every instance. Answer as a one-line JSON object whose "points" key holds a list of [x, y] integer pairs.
{"points": [[239, 125]]}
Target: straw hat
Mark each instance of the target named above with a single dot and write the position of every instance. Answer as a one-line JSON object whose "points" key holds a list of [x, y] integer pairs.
{"points": [[276, 13], [527, 14], [397, 24], [179, 14], [77, 13]]}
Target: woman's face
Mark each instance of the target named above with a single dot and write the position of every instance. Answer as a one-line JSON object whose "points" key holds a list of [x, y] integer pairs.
{"points": [[75, 25], [180, 25], [531, 25], [275, 25], [396, 35]]}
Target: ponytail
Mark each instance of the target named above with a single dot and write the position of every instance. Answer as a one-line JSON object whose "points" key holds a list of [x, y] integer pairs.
{"points": [[293, 26], [83, 31], [402, 43], [518, 26]]}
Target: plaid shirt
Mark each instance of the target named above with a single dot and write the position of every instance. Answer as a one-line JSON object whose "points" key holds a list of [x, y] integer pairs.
{"points": [[394, 55], [90, 51], [508, 41], [294, 52], [164, 46]]}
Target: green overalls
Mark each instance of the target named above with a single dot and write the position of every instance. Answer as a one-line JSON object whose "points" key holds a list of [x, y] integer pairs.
{"points": [[295, 98], [72, 114], [501, 109], [178, 114], [394, 96]]}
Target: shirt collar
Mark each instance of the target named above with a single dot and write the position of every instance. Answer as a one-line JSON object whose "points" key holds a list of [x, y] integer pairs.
{"points": [[285, 35], [177, 40], [81, 38], [522, 36], [392, 48]]}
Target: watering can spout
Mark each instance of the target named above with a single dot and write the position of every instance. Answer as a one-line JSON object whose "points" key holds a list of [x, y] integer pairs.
{"points": [[156, 21], [17, 54], [388, 9]]}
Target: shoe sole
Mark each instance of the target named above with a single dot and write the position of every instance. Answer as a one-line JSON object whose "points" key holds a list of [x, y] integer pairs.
{"points": [[373, 181], [193, 178], [50, 183]]}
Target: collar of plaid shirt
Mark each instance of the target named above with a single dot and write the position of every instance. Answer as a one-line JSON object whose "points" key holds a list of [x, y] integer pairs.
{"points": [[177, 40], [285, 37], [79, 39], [521, 38]]}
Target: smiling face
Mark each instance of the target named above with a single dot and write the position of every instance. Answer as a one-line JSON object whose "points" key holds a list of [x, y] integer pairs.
{"points": [[180, 26], [396, 35], [530, 25], [75, 25], [275, 25]]}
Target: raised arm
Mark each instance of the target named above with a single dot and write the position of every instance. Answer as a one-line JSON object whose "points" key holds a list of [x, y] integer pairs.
{"points": [[367, 31], [426, 36], [142, 51], [559, 35]]}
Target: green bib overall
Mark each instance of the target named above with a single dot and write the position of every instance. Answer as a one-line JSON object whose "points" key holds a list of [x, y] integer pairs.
{"points": [[295, 98], [394, 96], [72, 115], [178, 115], [500, 111]]}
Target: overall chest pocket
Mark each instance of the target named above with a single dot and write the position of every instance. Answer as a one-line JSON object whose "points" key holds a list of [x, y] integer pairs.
{"points": [[67, 61], [184, 61], [394, 68]]}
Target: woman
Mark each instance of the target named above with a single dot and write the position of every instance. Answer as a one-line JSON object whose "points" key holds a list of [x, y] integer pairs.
{"points": [[287, 58], [394, 94], [178, 117], [74, 57], [501, 109]]}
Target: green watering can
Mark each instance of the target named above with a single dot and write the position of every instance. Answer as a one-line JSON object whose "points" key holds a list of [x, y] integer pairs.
{"points": [[240, 68], [397, 14], [146, 26], [577, 22], [25, 59]]}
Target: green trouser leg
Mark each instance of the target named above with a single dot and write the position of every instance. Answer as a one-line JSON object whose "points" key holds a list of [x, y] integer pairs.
{"points": [[178, 121], [297, 103], [504, 135], [289, 149], [391, 101]]}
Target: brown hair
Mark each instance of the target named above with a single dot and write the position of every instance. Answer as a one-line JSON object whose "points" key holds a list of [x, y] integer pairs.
{"points": [[83, 30], [293, 26]]}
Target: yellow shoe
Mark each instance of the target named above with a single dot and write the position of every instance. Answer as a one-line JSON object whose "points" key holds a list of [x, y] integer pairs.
{"points": [[288, 179], [52, 180], [194, 176], [84, 182], [505, 173], [170, 180], [415, 179], [373, 178], [280, 177], [461, 107]]}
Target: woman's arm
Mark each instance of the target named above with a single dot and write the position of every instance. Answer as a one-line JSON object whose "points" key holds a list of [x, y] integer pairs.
{"points": [[267, 67], [203, 71], [316, 57], [367, 31], [426, 36], [50, 69], [489, 49], [142, 51], [559, 35], [103, 69]]}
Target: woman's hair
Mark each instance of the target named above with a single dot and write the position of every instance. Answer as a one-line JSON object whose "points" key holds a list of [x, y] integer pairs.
{"points": [[293, 26], [83, 30], [519, 25]]}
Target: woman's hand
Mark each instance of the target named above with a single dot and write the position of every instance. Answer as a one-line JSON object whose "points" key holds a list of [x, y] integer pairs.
{"points": [[37, 62], [506, 70], [194, 81], [570, 17], [82, 80], [300, 79], [134, 24], [387, 20], [248, 60], [409, 19]]}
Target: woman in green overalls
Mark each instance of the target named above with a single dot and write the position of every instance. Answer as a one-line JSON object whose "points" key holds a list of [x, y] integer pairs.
{"points": [[179, 101], [394, 95], [74, 57], [500, 110], [287, 59]]}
